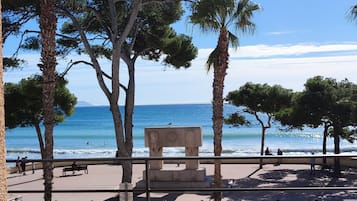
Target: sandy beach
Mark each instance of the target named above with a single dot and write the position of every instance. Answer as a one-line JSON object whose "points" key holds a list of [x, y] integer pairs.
{"points": [[234, 176]]}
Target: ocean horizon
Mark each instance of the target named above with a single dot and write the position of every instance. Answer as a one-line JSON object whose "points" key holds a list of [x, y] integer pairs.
{"points": [[89, 133]]}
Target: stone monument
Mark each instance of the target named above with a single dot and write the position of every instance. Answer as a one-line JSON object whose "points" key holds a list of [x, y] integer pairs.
{"points": [[156, 138]]}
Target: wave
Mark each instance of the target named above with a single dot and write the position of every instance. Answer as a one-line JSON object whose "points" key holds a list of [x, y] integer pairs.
{"points": [[317, 150], [63, 151], [144, 152], [23, 151]]}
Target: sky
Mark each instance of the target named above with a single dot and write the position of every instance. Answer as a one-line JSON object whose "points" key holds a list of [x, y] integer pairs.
{"points": [[294, 40]]}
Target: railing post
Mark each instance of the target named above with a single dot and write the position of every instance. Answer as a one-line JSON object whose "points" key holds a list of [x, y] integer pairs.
{"points": [[147, 182]]}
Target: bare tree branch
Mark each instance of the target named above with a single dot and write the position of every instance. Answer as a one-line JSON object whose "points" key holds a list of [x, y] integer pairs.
{"points": [[71, 64], [90, 52]]}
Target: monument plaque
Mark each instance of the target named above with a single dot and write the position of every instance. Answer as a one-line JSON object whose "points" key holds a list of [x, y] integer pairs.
{"points": [[156, 138]]}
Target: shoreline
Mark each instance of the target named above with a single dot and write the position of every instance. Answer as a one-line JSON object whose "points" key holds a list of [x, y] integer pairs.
{"points": [[178, 151]]}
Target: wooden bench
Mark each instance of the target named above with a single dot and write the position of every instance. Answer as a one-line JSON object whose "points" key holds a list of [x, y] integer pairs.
{"points": [[75, 168], [13, 197]]}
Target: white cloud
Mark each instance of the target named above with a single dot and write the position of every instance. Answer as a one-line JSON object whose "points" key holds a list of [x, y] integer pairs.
{"points": [[257, 51], [290, 72], [278, 33], [157, 84]]}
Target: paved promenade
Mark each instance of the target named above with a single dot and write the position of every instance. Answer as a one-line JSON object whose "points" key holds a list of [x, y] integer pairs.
{"points": [[236, 176]]}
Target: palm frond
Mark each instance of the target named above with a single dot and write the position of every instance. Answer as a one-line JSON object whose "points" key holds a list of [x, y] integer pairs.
{"points": [[216, 15], [208, 14], [213, 56], [233, 40], [244, 14], [352, 14]]}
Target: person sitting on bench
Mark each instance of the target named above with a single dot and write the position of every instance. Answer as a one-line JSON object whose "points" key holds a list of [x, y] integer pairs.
{"points": [[74, 166]]}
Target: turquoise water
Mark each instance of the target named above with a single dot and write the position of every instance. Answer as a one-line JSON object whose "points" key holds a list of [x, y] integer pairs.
{"points": [[89, 133]]}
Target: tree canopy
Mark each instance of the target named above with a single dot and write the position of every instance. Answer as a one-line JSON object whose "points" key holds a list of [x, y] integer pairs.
{"points": [[151, 36], [23, 102], [327, 102], [258, 100], [16, 13]]}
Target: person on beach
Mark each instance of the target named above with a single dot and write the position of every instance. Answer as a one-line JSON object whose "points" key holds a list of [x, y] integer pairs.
{"points": [[74, 166], [33, 167], [279, 153], [23, 165], [267, 151], [18, 165], [312, 164]]}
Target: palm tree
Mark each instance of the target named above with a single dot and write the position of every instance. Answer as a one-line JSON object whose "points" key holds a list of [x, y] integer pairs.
{"points": [[3, 172], [352, 14], [219, 16], [48, 24]]}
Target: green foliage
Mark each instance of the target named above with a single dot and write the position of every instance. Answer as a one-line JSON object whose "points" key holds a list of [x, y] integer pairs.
{"points": [[348, 133], [152, 35], [217, 15], [180, 51], [155, 37], [32, 43], [12, 62], [212, 58], [207, 14], [258, 98], [352, 13], [23, 102], [16, 13], [236, 119], [151, 38], [163, 13], [213, 15], [323, 101], [261, 97]]}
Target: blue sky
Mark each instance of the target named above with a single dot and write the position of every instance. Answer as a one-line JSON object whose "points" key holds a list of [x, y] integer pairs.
{"points": [[294, 40]]}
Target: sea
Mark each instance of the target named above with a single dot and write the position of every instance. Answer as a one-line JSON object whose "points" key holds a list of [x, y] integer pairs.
{"points": [[89, 133]]}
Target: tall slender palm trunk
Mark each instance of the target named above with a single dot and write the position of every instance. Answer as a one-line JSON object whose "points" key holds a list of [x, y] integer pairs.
{"points": [[220, 71], [3, 170], [48, 22]]}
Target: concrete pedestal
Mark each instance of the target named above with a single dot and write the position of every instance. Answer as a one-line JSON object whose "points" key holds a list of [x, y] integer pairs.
{"points": [[176, 178], [177, 175]]}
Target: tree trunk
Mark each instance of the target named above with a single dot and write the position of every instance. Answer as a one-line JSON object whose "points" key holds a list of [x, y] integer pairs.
{"points": [[40, 140], [3, 170], [122, 151], [220, 69], [262, 147], [336, 140], [123, 139], [48, 22], [324, 142], [264, 128], [128, 121], [129, 108]]}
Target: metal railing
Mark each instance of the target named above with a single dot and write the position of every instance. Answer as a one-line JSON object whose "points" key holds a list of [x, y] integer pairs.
{"points": [[203, 160]]}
